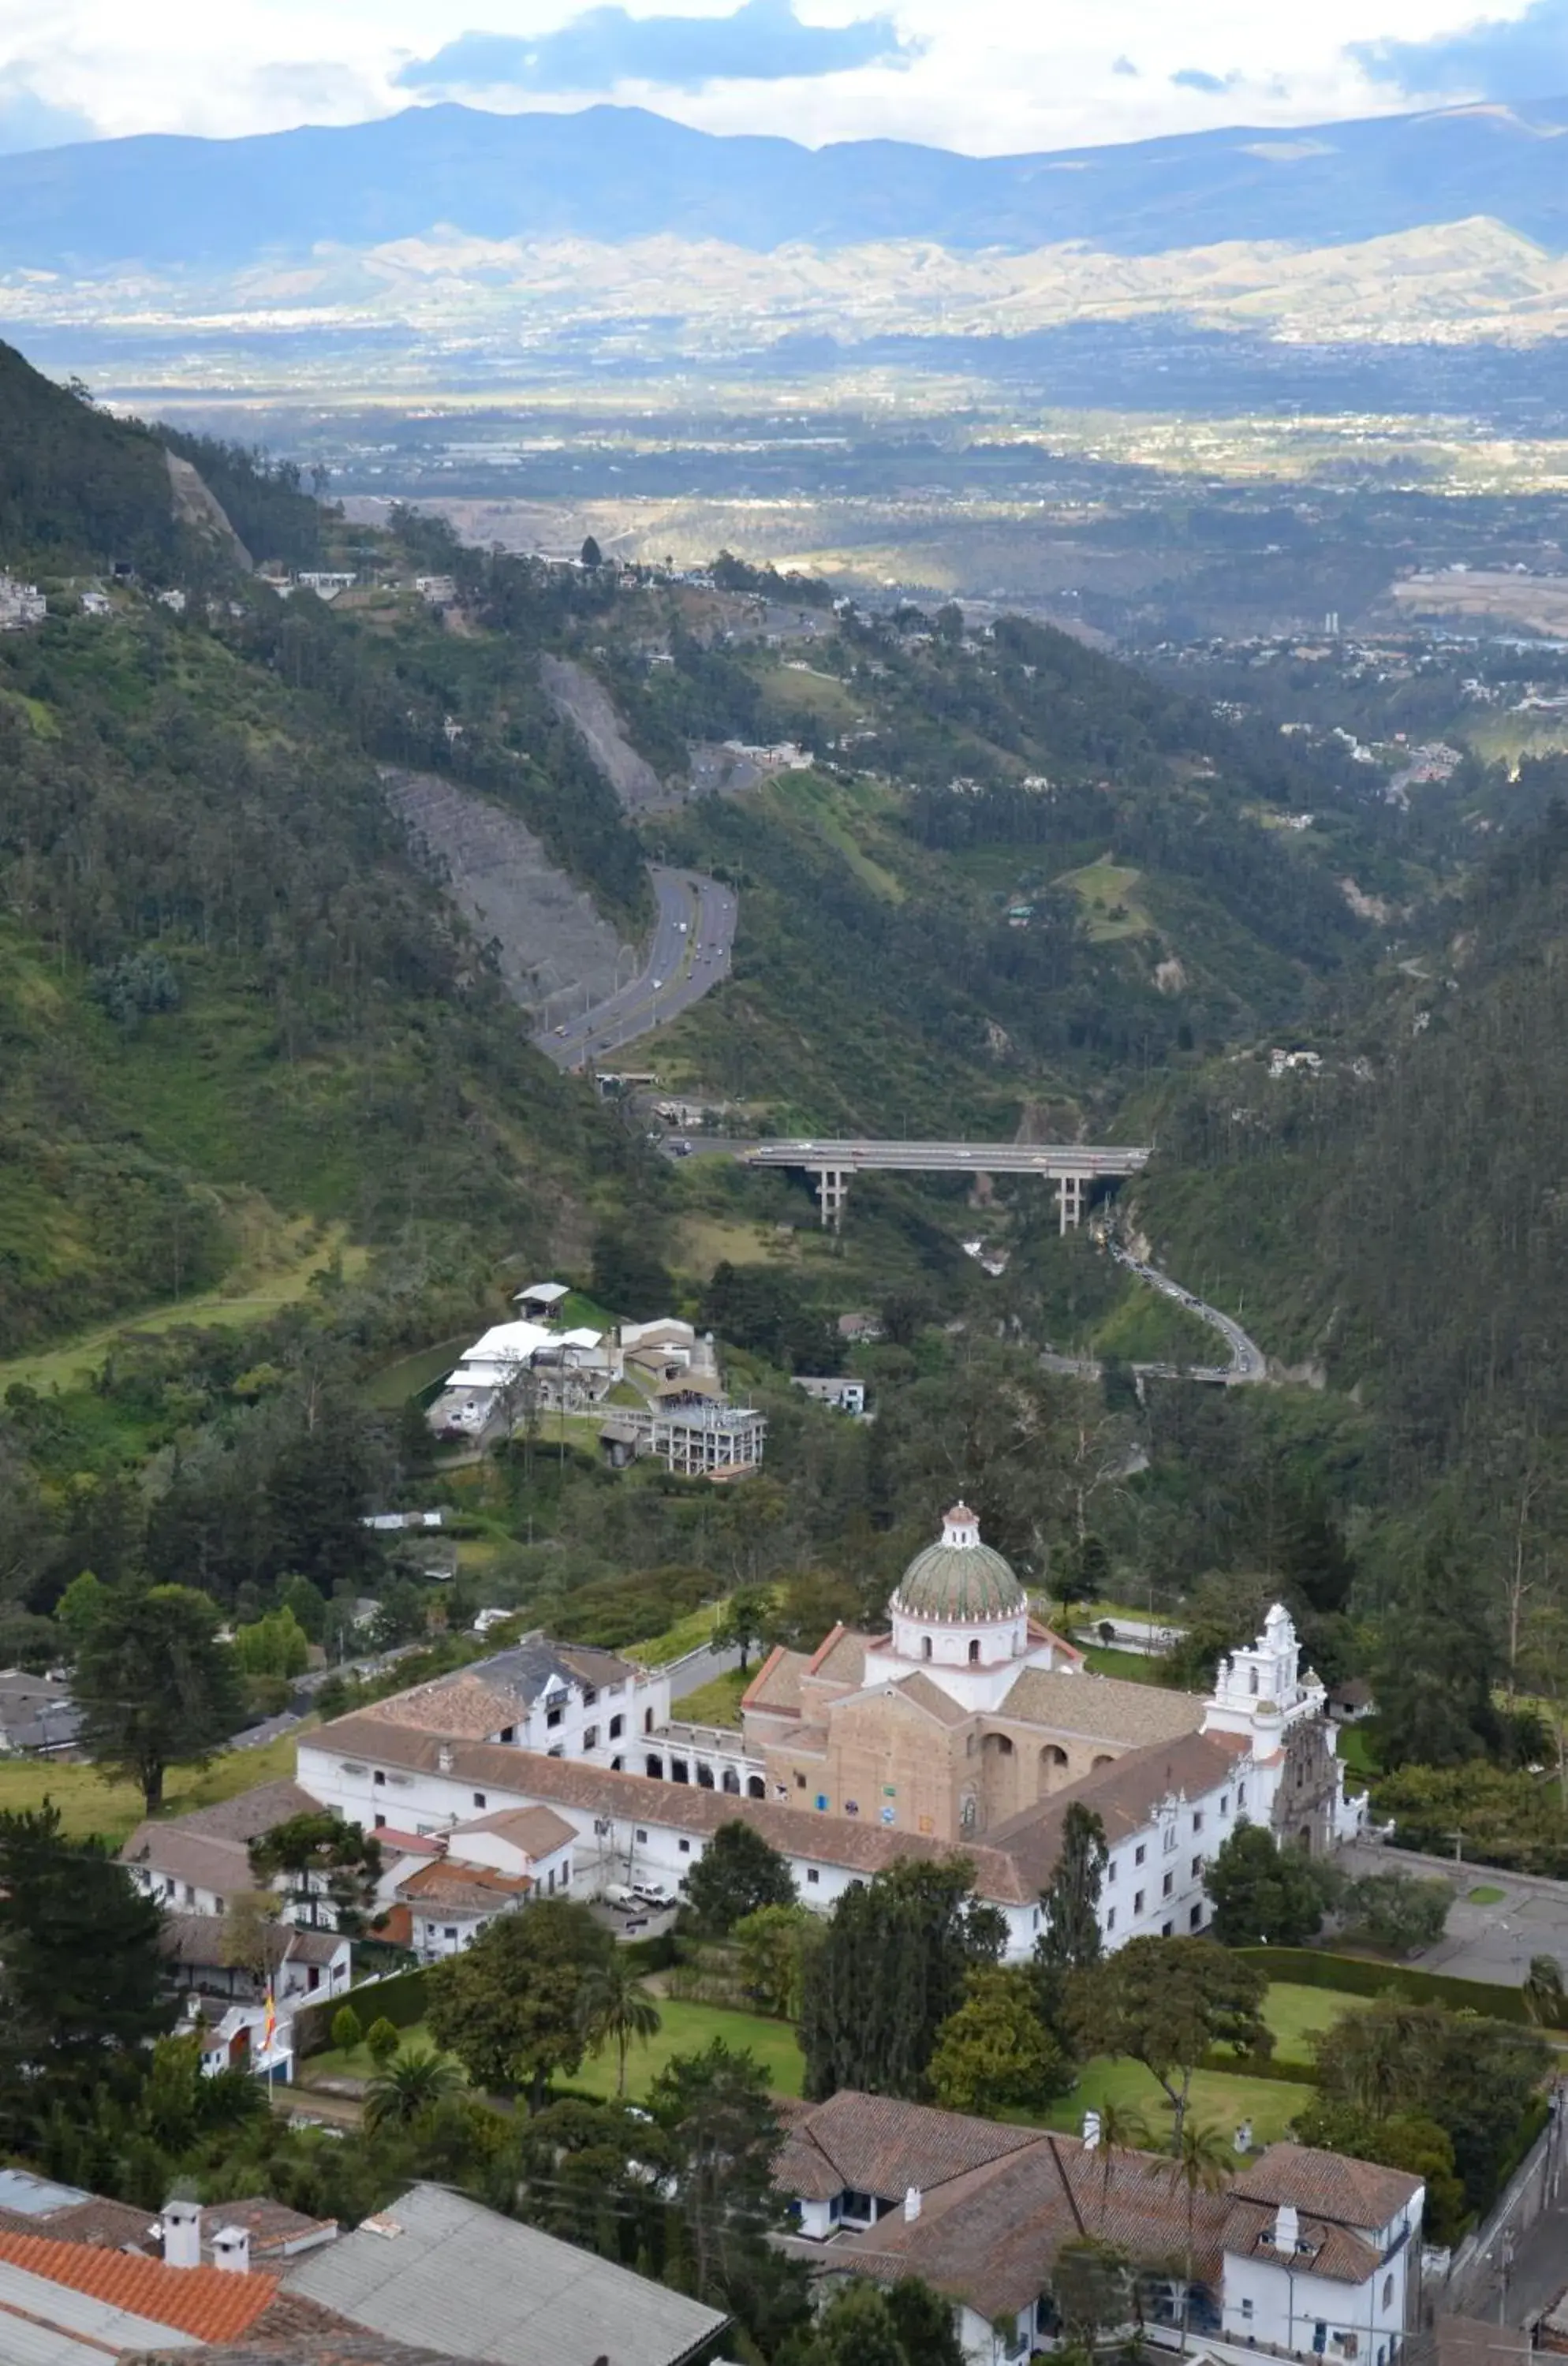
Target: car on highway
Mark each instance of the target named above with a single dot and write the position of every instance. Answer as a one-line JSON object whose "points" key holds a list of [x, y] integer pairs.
{"points": [[657, 984]]}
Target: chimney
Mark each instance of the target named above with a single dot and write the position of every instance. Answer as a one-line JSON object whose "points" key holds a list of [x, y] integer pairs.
{"points": [[912, 2201], [232, 2251], [443, 1758], [1287, 2228], [182, 2234], [1090, 2130]]}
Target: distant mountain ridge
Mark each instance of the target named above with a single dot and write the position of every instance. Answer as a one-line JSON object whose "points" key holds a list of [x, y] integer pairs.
{"points": [[612, 175]]}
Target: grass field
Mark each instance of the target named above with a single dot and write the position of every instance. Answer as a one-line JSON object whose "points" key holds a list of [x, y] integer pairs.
{"points": [[282, 1284], [1107, 892], [1293, 2014], [394, 1384], [685, 2029], [87, 1804], [688, 1634], [1217, 2099], [717, 1703], [1486, 1893], [1133, 1667]]}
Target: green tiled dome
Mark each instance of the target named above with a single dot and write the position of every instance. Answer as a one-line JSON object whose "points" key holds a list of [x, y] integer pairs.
{"points": [[959, 1578]]}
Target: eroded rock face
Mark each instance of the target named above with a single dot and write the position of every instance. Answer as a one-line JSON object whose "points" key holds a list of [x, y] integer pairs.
{"points": [[586, 704], [552, 945]]}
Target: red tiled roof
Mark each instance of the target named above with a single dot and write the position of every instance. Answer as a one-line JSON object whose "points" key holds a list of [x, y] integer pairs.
{"points": [[1329, 2184], [209, 2304], [1321, 2249], [451, 1885]]}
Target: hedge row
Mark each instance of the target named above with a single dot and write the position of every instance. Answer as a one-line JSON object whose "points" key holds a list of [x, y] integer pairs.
{"points": [[1355, 1976], [399, 2000]]}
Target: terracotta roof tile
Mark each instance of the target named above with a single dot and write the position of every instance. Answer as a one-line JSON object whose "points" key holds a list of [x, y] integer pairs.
{"points": [[997, 2203], [685, 1807], [450, 1885], [1321, 2249], [463, 1708], [929, 1696], [209, 2304], [1102, 1708], [537, 1832], [1329, 2184], [1125, 1795], [775, 1687]]}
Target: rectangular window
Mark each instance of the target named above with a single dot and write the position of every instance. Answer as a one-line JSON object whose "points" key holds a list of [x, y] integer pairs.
{"points": [[1169, 1838], [1166, 1929], [616, 1724], [1225, 1803], [1247, 2308], [451, 1932], [1197, 1868], [509, 1733], [799, 1780], [380, 1823], [1240, 1797], [1139, 1853], [559, 1752], [591, 1737], [589, 1695], [378, 1776], [1137, 1901], [1195, 1920], [566, 1873], [1110, 1870], [1198, 1820], [642, 1837], [1110, 1918], [480, 1800], [1168, 1885], [811, 1873], [553, 1717], [686, 1847]]}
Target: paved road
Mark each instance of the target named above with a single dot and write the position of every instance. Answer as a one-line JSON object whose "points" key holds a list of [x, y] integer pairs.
{"points": [[1247, 1364], [1247, 1360], [692, 940]]}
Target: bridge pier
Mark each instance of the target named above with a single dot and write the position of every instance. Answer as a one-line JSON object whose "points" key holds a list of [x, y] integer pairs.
{"points": [[832, 1194], [1069, 1201]]}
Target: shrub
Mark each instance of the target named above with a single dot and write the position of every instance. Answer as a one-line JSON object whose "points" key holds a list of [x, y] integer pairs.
{"points": [[382, 2040], [346, 2029]]}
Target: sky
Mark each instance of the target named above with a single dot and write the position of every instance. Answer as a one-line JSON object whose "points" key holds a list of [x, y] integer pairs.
{"points": [[988, 76]]}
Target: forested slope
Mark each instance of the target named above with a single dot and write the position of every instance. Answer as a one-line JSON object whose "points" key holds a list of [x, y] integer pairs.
{"points": [[1400, 1215]]}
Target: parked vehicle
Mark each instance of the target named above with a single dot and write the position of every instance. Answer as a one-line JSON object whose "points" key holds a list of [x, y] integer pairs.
{"points": [[624, 1899]]}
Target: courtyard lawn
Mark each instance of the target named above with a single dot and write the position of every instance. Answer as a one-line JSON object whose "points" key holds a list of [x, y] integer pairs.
{"points": [[88, 1805], [1217, 2099], [1293, 2014], [685, 2029]]}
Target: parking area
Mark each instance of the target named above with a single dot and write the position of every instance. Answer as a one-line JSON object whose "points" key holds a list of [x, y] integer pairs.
{"points": [[1497, 1923]]}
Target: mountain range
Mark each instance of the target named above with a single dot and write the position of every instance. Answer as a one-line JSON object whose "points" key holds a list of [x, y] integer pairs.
{"points": [[617, 233], [613, 173]]}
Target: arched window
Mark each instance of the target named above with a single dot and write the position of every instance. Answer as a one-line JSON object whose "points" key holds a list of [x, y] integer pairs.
{"points": [[1105, 1759], [647, 1720], [925, 1647], [973, 1650], [1252, 1681], [1388, 2292]]}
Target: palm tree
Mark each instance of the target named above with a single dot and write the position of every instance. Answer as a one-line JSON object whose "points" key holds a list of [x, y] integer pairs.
{"points": [[615, 2007], [1201, 2160], [407, 2087], [1123, 2128]]}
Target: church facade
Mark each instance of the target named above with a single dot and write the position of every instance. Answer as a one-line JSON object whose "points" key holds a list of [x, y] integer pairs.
{"points": [[967, 1713]]}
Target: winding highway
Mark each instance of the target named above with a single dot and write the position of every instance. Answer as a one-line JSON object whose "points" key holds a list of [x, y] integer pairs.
{"points": [[694, 938], [1247, 1363]]}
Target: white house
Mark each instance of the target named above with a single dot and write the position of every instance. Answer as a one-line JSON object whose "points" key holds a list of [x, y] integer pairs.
{"points": [[453, 1884], [882, 2188]]}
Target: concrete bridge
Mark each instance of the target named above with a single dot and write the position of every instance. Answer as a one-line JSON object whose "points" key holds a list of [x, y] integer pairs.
{"points": [[1071, 1165]]}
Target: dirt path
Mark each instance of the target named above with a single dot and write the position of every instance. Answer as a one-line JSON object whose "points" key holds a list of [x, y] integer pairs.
{"points": [[553, 945]]}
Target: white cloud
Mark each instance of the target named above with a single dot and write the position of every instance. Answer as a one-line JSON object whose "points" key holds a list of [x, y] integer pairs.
{"points": [[993, 75]]}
